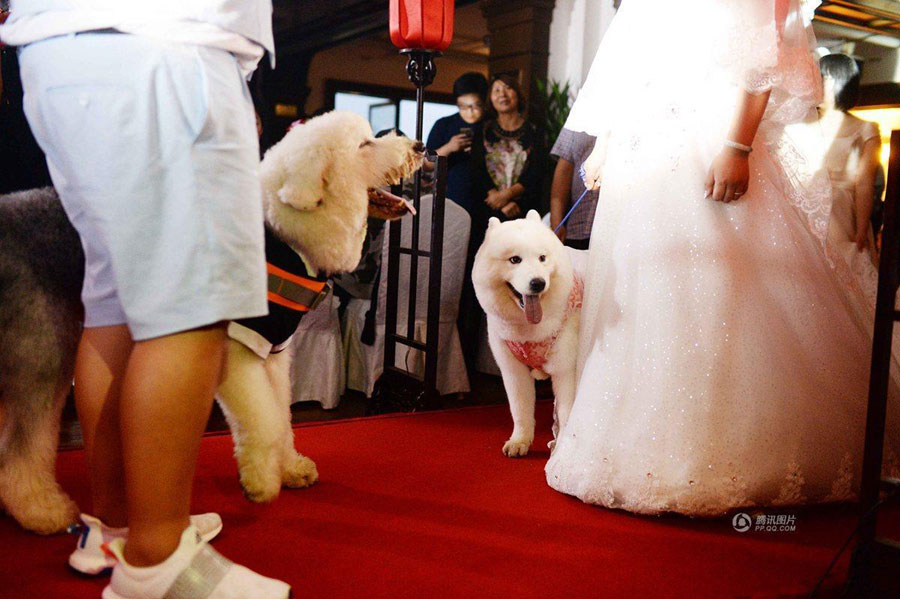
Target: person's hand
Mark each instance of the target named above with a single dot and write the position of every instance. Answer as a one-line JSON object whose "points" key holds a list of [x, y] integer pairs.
{"points": [[511, 210], [561, 233], [862, 240], [728, 176], [496, 199], [593, 166], [458, 142]]}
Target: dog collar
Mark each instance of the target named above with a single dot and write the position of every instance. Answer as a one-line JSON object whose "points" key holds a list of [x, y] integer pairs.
{"points": [[535, 354], [296, 292]]}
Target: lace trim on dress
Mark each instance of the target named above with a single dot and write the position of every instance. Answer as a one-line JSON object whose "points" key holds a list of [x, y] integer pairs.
{"points": [[713, 496], [791, 492], [807, 190], [772, 56], [842, 487], [734, 494], [810, 193]]}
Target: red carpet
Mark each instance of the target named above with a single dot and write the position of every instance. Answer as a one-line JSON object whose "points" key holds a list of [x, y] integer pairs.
{"points": [[426, 506]]}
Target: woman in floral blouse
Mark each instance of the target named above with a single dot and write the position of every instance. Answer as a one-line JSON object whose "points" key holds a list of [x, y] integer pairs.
{"points": [[506, 156], [507, 164]]}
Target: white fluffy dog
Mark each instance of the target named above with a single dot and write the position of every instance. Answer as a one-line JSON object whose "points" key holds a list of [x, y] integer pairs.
{"points": [[526, 283], [320, 183]]}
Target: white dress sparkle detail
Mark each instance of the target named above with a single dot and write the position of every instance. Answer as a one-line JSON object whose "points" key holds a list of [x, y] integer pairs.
{"points": [[724, 350]]}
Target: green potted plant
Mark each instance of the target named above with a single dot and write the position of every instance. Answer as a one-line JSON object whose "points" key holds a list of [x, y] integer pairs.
{"points": [[557, 99]]}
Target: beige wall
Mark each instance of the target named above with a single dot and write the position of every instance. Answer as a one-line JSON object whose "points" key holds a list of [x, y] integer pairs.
{"points": [[376, 61], [880, 64], [575, 34]]}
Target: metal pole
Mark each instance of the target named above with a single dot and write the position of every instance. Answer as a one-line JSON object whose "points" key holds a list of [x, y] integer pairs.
{"points": [[861, 575], [417, 197], [434, 276]]}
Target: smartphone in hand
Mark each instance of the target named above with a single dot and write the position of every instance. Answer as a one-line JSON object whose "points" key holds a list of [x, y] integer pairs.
{"points": [[469, 134]]}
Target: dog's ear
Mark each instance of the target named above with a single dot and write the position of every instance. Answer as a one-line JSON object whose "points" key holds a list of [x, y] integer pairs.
{"points": [[298, 183], [533, 215], [493, 222], [301, 197]]}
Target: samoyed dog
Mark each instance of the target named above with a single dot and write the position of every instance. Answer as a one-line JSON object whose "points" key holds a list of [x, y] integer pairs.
{"points": [[319, 185], [527, 285]]}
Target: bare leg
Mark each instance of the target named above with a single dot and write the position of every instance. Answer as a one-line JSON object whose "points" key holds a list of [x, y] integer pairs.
{"points": [[166, 397], [99, 370]]}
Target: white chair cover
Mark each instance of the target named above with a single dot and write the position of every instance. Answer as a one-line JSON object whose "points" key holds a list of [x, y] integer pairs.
{"points": [[317, 370], [365, 363]]}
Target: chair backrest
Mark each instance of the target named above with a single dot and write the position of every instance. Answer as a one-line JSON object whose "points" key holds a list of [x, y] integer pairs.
{"points": [[323, 317], [457, 223]]}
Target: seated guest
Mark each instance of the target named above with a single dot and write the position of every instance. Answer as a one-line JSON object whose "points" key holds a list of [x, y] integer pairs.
{"points": [[571, 149], [452, 135]]}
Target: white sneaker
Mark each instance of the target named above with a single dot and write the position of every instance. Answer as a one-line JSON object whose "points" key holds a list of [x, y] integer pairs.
{"points": [[194, 571], [89, 557]]}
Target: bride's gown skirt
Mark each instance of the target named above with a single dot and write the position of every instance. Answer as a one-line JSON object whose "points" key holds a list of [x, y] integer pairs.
{"points": [[723, 357]]}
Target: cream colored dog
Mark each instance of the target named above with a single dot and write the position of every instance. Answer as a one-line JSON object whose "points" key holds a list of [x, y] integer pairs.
{"points": [[320, 183], [525, 281]]}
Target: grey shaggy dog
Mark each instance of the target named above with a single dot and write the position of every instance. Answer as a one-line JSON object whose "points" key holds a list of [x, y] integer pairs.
{"points": [[41, 272]]}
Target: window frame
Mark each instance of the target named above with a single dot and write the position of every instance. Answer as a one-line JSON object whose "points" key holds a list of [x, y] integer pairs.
{"points": [[394, 94]]}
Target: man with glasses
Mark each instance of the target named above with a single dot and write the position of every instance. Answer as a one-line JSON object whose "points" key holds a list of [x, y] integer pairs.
{"points": [[452, 135]]}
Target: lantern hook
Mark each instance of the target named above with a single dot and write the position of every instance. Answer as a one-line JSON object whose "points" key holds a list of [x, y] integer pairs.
{"points": [[420, 66]]}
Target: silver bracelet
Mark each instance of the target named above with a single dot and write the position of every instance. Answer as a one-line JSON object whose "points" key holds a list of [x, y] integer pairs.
{"points": [[737, 146]]}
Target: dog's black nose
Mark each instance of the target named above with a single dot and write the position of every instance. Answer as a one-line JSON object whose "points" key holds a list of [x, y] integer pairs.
{"points": [[537, 285], [419, 147]]}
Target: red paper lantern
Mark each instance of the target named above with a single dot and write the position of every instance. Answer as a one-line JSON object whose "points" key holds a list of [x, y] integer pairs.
{"points": [[422, 24]]}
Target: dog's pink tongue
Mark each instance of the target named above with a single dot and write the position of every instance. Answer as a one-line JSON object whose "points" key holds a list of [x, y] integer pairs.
{"points": [[397, 199], [533, 311]]}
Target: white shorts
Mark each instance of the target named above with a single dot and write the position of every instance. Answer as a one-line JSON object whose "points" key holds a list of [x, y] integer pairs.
{"points": [[152, 148]]}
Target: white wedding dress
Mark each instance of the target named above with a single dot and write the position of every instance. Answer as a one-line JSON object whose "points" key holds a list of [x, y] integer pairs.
{"points": [[724, 353]]}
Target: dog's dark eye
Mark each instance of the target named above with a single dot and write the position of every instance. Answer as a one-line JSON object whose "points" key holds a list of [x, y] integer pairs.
{"points": [[367, 142], [515, 260], [543, 258]]}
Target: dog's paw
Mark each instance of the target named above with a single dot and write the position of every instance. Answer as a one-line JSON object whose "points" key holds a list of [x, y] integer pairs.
{"points": [[48, 514], [260, 486], [298, 472], [516, 448], [260, 493]]}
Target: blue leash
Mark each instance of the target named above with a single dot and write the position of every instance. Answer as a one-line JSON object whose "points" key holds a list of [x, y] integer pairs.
{"points": [[581, 173]]}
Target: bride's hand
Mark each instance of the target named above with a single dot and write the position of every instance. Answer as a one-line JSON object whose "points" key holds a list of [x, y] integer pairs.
{"points": [[728, 176], [593, 166]]}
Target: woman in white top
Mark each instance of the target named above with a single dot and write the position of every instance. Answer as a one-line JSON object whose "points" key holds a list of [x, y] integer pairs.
{"points": [[851, 157]]}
